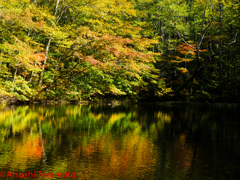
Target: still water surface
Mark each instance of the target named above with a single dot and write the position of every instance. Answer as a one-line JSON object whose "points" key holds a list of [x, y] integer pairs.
{"points": [[97, 142]]}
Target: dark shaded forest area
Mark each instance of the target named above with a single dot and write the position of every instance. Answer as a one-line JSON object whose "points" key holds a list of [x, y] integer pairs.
{"points": [[101, 50]]}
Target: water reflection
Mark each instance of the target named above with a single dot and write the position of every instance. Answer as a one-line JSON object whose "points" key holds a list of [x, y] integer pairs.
{"points": [[124, 142]]}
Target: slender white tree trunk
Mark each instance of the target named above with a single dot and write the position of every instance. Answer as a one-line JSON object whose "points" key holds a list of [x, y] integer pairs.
{"points": [[44, 62]]}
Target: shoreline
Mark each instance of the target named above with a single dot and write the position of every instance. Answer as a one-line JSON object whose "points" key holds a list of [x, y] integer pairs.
{"points": [[116, 103]]}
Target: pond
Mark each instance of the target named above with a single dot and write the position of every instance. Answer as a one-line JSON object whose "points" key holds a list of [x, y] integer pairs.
{"points": [[166, 141]]}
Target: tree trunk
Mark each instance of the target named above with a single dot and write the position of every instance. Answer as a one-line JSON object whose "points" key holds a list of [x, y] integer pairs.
{"points": [[44, 62]]}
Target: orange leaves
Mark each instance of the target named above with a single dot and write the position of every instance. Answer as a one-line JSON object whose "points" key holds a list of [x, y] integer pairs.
{"points": [[108, 37], [202, 50], [116, 56], [122, 46], [116, 39], [127, 41], [85, 32], [23, 53], [93, 61], [116, 53], [185, 49], [183, 70], [119, 47], [175, 57], [34, 59], [186, 60], [38, 56], [32, 149]]}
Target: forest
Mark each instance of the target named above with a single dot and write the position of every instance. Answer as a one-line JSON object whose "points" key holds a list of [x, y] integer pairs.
{"points": [[136, 50]]}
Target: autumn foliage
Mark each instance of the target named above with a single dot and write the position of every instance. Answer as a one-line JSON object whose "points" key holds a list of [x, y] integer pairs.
{"points": [[71, 50]]}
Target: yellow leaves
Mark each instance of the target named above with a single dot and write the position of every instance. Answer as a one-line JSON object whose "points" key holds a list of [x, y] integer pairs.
{"points": [[179, 59], [157, 54], [145, 1], [144, 43], [118, 20], [26, 1], [115, 90], [174, 61], [82, 30], [106, 16], [24, 54], [23, 17], [115, 7]]}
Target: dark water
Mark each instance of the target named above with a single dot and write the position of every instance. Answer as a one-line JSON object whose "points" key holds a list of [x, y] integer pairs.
{"points": [[122, 142]]}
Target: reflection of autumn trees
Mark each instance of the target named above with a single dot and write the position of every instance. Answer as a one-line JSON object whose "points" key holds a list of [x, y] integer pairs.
{"points": [[117, 142], [21, 153], [100, 144], [107, 143], [181, 154], [130, 157], [26, 153]]}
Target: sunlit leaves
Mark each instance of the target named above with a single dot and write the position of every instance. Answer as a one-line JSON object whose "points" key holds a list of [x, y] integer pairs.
{"points": [[88, 47]]}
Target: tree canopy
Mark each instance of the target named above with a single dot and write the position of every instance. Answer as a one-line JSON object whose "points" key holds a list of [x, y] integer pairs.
{"points": [[104, 50]]}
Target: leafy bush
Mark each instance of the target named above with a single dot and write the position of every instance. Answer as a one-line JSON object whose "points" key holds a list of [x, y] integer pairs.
{"points": [[20, 89]]}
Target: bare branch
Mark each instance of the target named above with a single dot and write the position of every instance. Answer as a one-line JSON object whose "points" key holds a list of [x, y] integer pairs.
{"points": [[210, 58], [200, 42], [186, 42], [235, 39], [211, 49], [201, 39]]}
